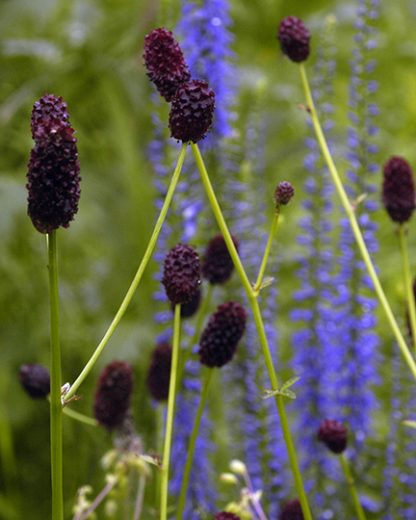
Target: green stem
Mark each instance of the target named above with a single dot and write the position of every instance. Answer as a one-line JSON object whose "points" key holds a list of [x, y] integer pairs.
{"points": [[252, 298], [55, 394], [136, 280], [191, 445], [351, 485], [275, 221], [202, 312], [80, 417], [411, 307], [349, 209], [170, 415]]}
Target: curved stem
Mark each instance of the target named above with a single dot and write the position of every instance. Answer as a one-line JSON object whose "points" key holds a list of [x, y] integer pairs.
{"points": [[55, 394], [354, 225], [80, 417], [252, 298], [136, 280], [351, 485], [170, 415], [138, 505], [259, 281], [191, 446], [411, 307]]}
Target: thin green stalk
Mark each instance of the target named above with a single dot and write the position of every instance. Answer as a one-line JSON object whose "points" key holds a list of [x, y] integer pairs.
{"points": [[80, 417], [275, 221], [354, 224], [170, 415], [202, 312], [191, 446], [55, 394], [351, 485], [252, 298], [136, 280], [411, 307]]}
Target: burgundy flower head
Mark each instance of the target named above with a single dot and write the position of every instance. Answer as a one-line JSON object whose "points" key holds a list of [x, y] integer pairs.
{"points": [[112, 398], [220, 337], [226, 516], [164, 62], [53, 180], [398, 189], [192, 111], [35, 379], [182, 274], [217, 265], [294, 39], [334, 435], [158, 376], [291, 511], [283, 193]]}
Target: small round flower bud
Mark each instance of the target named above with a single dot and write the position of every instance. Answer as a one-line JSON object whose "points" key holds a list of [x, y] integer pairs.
{"points": [[238, 467], [220, 337], [192, 111], [112, 398], [53, 171], [228, 478], [226, 516], [35, 379], [164, 62], [294, 39], [182, 274], [283, 193], [217, 265], [188, 309], [292, 510], [398, 189], [158, 376], [334, 435]]}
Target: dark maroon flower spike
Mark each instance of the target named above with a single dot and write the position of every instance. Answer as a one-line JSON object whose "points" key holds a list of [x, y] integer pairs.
{"points": [[226, 516], [291, 511], [164, 62], [217, 265], [398, 189], [112, 398], [35, 379], [158, 375], [334, 435], [53, 179], [294, 39], [182, 274], [192, 111], [220, 337], [283, 193]]}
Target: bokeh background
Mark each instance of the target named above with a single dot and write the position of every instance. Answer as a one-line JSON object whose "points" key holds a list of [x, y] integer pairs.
{"points": [[89, 52]]}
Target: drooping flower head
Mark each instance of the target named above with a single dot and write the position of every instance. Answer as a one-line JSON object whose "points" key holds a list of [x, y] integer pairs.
{"points": [[35, 379], [217, 265], [283, 193], [112, 398], [398, 189], [182, 274], [158, 375], [220, 337], [192, 111], [291, 510], [334, 435], [294, 39], [164, 62], [53, 179]]}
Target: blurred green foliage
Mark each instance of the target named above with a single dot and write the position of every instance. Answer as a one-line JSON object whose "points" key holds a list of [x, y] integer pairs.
{"points": [[89, 52]]}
